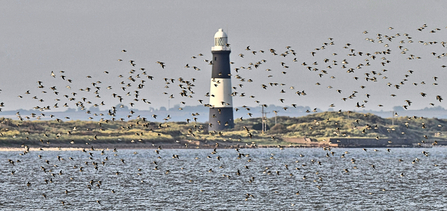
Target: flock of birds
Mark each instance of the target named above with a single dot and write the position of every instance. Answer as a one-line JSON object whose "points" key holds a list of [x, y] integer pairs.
{"points": [[373, 70], [370, 70], [102, 173]]}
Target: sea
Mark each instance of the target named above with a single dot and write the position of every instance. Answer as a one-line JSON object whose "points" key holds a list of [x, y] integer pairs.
{"points": [[225, 179]]}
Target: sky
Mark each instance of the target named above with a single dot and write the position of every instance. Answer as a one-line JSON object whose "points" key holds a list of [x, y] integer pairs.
{"points": [[86, 38]]}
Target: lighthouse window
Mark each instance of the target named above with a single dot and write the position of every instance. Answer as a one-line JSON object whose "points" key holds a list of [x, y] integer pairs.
{"points": [[221, 41], [215, 58]]}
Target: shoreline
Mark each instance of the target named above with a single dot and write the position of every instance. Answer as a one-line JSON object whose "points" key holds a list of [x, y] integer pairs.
{"points": [[129, 147]]}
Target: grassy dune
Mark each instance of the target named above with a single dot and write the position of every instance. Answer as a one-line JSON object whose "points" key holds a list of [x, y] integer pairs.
{"points": [[317, 127]]}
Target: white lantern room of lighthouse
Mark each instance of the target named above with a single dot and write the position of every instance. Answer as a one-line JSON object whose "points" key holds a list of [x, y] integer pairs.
{"points": [[220, 41]]}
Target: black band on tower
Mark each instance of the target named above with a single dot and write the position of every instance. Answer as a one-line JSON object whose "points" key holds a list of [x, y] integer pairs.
{"points": [[221, 118], [221, 64]]}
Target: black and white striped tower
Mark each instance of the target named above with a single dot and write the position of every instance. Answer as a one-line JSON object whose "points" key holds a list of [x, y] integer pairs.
{"points": [[221, 102]]}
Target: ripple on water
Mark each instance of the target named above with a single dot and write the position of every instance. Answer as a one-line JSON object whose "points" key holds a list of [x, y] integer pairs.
{"points": [[196, 182]]}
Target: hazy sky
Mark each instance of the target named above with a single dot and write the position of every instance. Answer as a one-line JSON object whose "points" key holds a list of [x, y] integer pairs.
{"points": [[87, 38]]}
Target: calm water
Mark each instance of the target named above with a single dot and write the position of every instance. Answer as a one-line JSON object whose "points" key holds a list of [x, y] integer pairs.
{"points": [[196, 182]]}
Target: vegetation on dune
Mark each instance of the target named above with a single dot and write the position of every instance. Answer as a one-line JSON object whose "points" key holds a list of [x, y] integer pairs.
{"points": [[318, 126]]}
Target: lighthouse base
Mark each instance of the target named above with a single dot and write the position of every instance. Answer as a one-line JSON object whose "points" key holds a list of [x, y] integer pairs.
{"points": [[221, 119]]}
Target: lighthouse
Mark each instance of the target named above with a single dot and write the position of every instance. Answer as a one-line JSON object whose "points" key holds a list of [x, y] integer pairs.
{"points": [[221, 100]]}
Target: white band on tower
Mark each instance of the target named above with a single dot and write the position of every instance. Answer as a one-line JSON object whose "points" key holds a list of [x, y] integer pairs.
{"points": [[220, 93]]}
